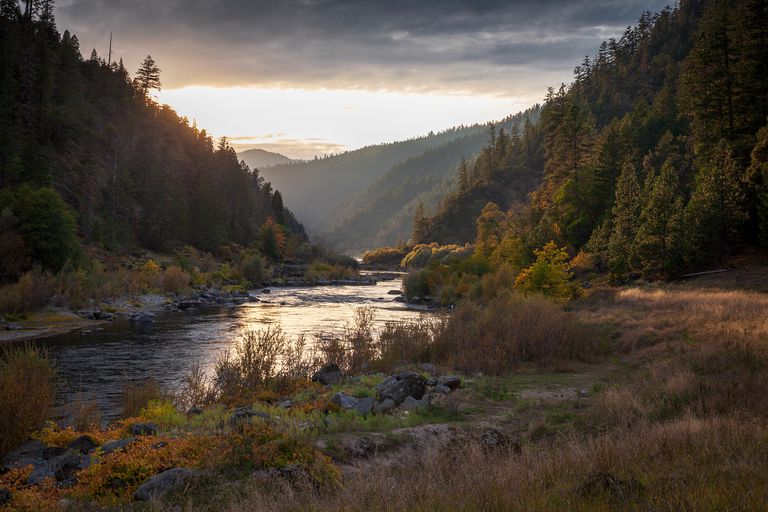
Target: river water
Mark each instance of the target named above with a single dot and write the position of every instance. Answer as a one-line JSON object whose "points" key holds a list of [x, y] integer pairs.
{"points": [[96, 363]]}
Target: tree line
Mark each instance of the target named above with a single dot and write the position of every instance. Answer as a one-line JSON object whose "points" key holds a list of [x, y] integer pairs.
{"points": [[88, 157], [653, 161]]}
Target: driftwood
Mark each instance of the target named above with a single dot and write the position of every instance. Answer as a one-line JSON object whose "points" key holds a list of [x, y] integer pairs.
{"points": [[697, 274]]}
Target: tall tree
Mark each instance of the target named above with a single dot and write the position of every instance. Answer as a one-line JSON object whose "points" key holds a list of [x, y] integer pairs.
{"points": [[626, 212], [758, 177], [148, 76]]}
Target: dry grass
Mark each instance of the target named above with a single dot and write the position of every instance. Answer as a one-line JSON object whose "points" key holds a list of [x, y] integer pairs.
{"points": [[26, 393], [136, 395], [84, 413], [689, 464]]}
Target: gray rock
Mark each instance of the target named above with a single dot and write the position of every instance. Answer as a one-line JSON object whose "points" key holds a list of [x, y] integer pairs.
{"points": [[188, 304], [411, 404], [116, 445], [398, 387], [450, 381], [344, 400], [31, 452], [385, 406], [394, 292], [60, 468], [5, 496], [142, 317], [328, 375], [82, 444], [285, 404], [443, 390], [162, 483], [245, 415], [144, 429], [429, 368], [13, 327], [431, 381], [364, 405]]}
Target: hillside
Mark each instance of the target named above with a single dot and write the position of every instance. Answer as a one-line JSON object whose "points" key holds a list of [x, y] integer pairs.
{"points": [[317, 189], [382, 213], [257, 158], [653, 161], [87, 156]]}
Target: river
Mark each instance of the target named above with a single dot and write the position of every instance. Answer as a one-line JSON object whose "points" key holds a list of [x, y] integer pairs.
{"points": [[96, 363]]}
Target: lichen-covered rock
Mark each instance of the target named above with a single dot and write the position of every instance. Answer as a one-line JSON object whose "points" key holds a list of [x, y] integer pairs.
{"points": [[398, 387], [328, 375], [160, 484]]}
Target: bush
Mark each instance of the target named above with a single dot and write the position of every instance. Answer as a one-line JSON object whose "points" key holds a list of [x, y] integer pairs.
{"points": [[27, 377], [549, 275], [175, 280], [136, 396], [385, 256], [253, 268]]}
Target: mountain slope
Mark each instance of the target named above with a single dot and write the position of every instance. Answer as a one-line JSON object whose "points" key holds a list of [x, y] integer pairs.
{"points": [[317, 189], [257, 158], [382, 213], [132, 172]]}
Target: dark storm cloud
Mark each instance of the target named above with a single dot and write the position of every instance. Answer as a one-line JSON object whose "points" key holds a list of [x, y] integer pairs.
{"points": [[482, 46]]}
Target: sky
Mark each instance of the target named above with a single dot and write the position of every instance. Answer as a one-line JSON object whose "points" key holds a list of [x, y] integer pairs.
{"points": [[312, 77]]}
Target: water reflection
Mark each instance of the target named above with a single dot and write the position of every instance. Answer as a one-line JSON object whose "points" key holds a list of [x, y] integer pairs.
{"points": [[97, 363]]}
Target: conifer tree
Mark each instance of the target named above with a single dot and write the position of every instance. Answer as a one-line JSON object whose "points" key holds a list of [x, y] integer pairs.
{"points": [[419, 224], [148, 76], [758, 176], [716, 208], [659, 236], [626, 211], [462, 177]]}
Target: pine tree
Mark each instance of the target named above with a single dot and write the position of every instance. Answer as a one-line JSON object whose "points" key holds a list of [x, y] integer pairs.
{"points": [[715, 211], [659, 236], [462, 177], [420, 224], [148, 76], [626, 212], [758, 176]]}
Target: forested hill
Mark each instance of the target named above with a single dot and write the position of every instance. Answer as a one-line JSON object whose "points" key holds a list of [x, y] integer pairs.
{"points": [[131, 172], [317, 189], [258, 158], [655, 158], [382, 214]]}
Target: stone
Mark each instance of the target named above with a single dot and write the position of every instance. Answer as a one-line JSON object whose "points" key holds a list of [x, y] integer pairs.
{"points": [[493, 439], [116, 445], [194, 411], [188, 304], [450, 381], [31, 452], [13, 327], [5, 496], [328, 375], [244, 415], [266, 290], [285, 404], [82, 444], [411, 404], [394, 292], [344, 400], [429, 368], [443, 390], [142, 317], [398, 387], [364, 405], [385, 406], [144, 429], [60, 468], [160, 484]]}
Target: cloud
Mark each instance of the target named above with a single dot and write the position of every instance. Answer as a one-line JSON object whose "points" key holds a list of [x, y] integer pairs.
{"points": [[487, 46]]}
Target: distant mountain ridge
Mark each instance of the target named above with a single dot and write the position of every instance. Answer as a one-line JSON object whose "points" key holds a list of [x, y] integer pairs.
{"points": [[258, 158]]}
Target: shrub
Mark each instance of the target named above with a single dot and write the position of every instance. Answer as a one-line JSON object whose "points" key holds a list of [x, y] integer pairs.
{"points": [[27, 377], [253, 268], [175, 280], [136, 395], [385, 256], [549, 275], [33, 290]]}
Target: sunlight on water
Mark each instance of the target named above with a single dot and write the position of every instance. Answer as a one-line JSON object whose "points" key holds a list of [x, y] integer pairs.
{"points": [[97, 363]]}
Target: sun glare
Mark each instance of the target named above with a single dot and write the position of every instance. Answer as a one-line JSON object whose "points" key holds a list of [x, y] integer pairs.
{"points": [[302, 123]]}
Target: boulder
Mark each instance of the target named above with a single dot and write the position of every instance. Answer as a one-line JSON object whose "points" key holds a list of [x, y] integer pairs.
{"points": [[31, 452], [144, 429], [398, 387], [5, 496], [450, 381], [162, 483], [385, 406], [142, 317], [394, 292], [244, 415], [328, 375], [364, 405], [116, 445], [411, 404], [493, 439], [344, 400], [286, 403], [188, 304], [443, 390], [429, 368], [194, 411], [61, 468], [82, 444]]}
